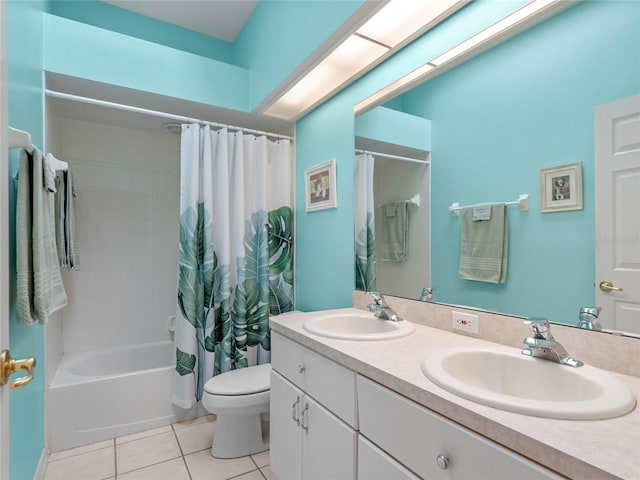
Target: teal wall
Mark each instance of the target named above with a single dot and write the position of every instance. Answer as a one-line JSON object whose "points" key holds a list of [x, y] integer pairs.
{"points": [[85, 51], [501, 117], [26, 112], [392, 126], [476, 119], [120, 20], [325, 239]]}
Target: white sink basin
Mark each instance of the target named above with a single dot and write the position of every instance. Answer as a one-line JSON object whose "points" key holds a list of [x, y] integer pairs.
{"points": [[356, 326], [511, 381]]}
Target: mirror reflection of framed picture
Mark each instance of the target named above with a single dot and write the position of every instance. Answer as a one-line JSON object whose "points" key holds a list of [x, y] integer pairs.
{"points": [[320, 186], [561, 188]]}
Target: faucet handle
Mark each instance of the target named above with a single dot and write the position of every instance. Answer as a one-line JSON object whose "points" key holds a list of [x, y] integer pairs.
{"points": [[593, 311], [540, 327], [377, 297]]}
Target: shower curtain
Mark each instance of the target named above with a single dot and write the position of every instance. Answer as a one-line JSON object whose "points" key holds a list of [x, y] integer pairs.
{"points": [[365, 263], [236, 253]]}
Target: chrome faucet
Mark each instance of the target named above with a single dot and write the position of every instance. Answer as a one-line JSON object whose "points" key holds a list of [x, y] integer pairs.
{"points": [[382, 309], [589, 318], [427, 294], [543, 345]]}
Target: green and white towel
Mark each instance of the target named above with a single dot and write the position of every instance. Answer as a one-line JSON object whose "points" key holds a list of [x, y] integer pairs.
{"points": [[485, 246], [39, 288], [395, 231]]}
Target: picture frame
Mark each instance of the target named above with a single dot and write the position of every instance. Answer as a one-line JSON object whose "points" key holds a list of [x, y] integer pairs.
{"points": [[320, 186], [561, 188]]}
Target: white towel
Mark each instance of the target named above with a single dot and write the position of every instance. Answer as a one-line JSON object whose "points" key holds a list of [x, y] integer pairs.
{"points": [[482, 212], [39, 288]]}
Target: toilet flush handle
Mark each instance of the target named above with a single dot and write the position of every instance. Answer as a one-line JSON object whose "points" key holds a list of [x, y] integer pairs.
{"points": [[301, 368]]}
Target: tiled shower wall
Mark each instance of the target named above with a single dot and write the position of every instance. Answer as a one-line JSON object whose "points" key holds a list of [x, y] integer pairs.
{"points": [[127, 207]]}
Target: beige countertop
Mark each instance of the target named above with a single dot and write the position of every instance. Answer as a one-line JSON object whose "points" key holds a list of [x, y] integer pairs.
{"points": [[574, 448]]}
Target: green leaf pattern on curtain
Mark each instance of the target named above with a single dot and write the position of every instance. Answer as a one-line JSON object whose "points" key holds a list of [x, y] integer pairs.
{"points": [[229, 312], [366, 257]]}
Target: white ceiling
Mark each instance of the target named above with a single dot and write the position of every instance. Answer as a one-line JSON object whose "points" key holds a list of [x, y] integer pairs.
{"points": [[222, 19]]}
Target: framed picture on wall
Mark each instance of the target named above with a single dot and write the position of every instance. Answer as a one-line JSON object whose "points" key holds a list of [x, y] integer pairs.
{"points": [[561, 188], [320, 186]]}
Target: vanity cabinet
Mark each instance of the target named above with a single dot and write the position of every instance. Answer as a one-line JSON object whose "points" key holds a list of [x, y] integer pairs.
{"points": [[313, 414], [432, 446]]}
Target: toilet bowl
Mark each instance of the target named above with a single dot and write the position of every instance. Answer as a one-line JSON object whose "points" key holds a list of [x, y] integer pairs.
{"points": [[239, 399]]}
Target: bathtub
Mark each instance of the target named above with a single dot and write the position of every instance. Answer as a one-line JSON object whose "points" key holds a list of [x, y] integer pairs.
{"points": [[104, 394]]}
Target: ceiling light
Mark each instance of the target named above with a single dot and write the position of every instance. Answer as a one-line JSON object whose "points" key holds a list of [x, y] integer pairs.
{"points": [[352, 56], [533, 12], [400, 20], [493, 31], [401, 84], [395, 24]]}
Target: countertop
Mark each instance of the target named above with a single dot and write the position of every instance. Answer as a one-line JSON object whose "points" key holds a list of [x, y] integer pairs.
{"points": [[573, 448]]}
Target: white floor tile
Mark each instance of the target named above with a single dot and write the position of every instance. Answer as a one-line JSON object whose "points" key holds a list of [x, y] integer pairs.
{"points": [[255, 475], [172, 470], [195, 437], [146, 451], [268, 473], [261, 459], [202, 466], [79, 450], [145, 434], [95, 465]]}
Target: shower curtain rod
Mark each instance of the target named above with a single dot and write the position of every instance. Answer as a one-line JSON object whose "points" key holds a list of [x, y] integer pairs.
{"points": [[155, 113], [394, 157]]}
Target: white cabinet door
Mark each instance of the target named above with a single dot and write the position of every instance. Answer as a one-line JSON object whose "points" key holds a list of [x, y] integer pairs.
{"points": [[328, 445], [374, 464], [285, 436]]}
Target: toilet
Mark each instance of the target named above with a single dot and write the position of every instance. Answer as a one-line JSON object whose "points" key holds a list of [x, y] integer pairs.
{"points": [[239, 399]]}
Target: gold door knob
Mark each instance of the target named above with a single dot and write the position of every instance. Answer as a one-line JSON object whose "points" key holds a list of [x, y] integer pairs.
{"points": [[8, 366], [607, 286]]}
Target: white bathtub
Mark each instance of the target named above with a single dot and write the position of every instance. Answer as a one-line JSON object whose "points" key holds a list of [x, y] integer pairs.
{"points": [[104, 394]]}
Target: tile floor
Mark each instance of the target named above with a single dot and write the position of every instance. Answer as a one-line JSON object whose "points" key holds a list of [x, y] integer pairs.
{"points": [[176, 452]]}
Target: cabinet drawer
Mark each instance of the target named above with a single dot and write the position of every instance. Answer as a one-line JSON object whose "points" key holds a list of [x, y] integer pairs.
{"points": [[374, 464], [330, 384], [416, 437]]}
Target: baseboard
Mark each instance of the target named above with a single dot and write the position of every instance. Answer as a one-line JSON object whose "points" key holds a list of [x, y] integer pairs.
{"points": [[42, 465]]}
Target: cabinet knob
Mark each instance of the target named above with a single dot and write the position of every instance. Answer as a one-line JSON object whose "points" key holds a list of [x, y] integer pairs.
{"points": [[301, 368], [442, 461]]}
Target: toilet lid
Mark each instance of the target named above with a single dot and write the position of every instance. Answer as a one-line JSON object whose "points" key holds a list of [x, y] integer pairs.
{"points": [[240, 382]]}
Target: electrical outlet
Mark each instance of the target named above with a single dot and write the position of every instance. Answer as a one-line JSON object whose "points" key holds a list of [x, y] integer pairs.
{"points": [[464, 322]]}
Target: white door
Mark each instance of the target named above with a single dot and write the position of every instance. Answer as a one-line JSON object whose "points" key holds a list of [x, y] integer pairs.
{"points": [[617, 213], [4, 248]]}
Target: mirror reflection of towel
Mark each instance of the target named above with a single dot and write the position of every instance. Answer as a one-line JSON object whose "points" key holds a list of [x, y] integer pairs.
{"points": [[395, 231], [485, 246]]}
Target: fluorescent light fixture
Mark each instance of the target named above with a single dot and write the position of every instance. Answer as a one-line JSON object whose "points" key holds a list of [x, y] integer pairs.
{"points": [[352, 56], [394, 25], [534, 11], [405, 82], [494, 30], [402, 19]]}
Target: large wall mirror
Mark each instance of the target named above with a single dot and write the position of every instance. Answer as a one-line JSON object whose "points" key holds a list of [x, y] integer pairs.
{"points": [[486, 129]]}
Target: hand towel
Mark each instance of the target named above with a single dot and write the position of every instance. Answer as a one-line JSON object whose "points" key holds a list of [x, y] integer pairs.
{"points": [[39, 289], [395, 231], [484, 249]]}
